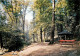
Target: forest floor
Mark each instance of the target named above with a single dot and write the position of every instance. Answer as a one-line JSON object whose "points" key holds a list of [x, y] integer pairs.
{"points": [[43, 49]]}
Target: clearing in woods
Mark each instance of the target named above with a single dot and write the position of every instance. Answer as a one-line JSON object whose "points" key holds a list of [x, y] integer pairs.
{"points": [[43, 49]]}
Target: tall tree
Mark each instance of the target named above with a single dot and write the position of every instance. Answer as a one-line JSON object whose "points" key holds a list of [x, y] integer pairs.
{"points": [[24, 8], [53, 21], [43, 16]]}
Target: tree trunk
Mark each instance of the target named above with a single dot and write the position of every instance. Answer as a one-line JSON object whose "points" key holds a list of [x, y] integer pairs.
{"points": [[34, 38], [61, 27], [1, 42], [44, 34], [23, 27], [53, 27], [23, 19], [41, 34]]}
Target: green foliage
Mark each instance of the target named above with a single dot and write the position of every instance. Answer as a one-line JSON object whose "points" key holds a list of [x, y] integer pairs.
{"points": [[15, 43], [11, 24], [11, 40], [2, 17], [43, 13], [74, 11]]}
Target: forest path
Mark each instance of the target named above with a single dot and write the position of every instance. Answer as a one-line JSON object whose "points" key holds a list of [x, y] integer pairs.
{"points": [[43, 49], [32, 48]]}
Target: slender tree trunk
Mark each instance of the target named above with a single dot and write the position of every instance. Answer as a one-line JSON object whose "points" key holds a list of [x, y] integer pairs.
{"points": [[23, 23], [61, 28], [41, 34], [23, 27], [16, 12], [37, 37], [44, 34], [23, 18], [1, 42], [41, 29], [33, 38], [53, 27]]}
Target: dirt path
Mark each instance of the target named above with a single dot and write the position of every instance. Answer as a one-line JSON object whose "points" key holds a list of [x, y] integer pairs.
{"points": [[46, 50], [31, 49], [43, 49]]}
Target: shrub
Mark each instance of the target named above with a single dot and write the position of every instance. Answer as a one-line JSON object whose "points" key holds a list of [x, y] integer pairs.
{"points": [[15, 43]]}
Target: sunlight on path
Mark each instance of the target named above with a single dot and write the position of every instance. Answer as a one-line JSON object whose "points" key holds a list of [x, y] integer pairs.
{"points": [[31, 49], [52, 50], [46, 50], [38, 47], [43, 49]]}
